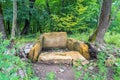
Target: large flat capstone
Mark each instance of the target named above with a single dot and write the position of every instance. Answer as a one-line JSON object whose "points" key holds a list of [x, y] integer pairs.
{"points": [[61, 57]]}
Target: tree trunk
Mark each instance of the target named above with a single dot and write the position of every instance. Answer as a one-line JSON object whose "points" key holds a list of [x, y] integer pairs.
{"points": [[2, 29], [103, 24], [27, 21], [14, 23]]}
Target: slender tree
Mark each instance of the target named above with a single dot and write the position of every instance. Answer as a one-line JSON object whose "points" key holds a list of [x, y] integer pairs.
{"points": [[2, 29], [14, 23], [103, 24]]}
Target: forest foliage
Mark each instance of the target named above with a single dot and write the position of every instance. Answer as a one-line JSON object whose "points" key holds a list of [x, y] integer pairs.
{"points": [[57, 15]]}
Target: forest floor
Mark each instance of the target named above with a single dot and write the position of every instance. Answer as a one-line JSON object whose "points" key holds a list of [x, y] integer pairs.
{"points": [[68, 72], [95, 70], [59, 72]]}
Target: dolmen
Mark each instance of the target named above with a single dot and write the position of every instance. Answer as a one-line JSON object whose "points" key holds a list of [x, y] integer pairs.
{"points": [[77, 50]]}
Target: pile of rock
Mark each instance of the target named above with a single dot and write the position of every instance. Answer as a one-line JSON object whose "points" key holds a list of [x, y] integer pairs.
{"points": [[78, 50]]}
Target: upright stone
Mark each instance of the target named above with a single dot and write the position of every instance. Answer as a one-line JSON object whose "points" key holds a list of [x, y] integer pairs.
{"points": [[70, 44], [35, 51], [82, 48], [54, 40]]}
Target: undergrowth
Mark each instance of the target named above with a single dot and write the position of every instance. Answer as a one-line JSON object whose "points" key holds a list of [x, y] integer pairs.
{"points": [[101, 70], [28, 38], [116, 69], [50, 76], [85, 74], [11, 65], [110, 37]]}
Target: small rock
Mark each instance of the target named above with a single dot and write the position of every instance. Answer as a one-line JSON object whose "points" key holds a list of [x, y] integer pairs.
{"points": [[61, 70], [31, 46], [95, 64], [109, 62], [37, 72], [21, 73], [79, 68], [38, 68], [26, 50], [23, 59], [91, 68], [103, 47], [99, 50]]}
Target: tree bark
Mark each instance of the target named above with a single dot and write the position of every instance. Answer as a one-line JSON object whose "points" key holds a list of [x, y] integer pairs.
{"points": [[103, 24], [2, 29], [27, 21], [14, 23]]}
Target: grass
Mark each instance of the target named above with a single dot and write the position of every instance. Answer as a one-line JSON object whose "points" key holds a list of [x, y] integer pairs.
{"points": [[50, 76], [78, 36], [112, 38], [11, 64], [116, 69], [102, 69], [86, 74], [28, 38]]}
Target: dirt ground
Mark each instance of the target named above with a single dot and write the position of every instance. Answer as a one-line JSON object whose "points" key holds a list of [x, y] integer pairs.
{"points": [[62, 72]]}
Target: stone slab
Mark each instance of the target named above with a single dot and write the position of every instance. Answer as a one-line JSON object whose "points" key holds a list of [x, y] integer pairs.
{"points": [[54, 40], [60, 57]]}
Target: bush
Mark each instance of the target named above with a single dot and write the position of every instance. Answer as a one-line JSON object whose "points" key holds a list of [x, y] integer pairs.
{"points": [[116, 69]]}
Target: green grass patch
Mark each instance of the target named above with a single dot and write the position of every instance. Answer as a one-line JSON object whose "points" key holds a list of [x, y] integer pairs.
{"points": [[50, 76], [80, 36], [112, 38], [28, 38]]}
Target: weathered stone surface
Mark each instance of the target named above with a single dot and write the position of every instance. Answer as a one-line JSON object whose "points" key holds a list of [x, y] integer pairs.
{"points": [[35, 51], [82, 48], [55, 57], [61, 57], [54, 40], [70, 44]]}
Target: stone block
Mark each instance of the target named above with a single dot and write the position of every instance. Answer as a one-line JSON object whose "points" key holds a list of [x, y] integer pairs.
{"points": [[54, 40], [70, 44], [60, 57], [35, 51], [55, 58], [82, 48]]}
